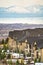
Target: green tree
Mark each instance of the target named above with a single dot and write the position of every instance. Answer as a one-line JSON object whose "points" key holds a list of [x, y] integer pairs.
{"points": [[24, 55], [5, 47], [39, 59], [10, 62], [35, 60], [3, 41], [17, 50], [9, 56], [2, 55], [22, 62], [17, 62], [6, 41], [28, 61]]}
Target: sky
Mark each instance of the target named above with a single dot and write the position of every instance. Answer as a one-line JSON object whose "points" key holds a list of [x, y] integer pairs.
{"points": [[21, 11]]}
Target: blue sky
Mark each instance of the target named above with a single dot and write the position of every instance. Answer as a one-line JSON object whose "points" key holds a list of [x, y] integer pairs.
{"points": [[32, 11], [20, 10]]}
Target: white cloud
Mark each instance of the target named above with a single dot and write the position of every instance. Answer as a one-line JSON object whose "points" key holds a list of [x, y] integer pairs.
{"points": [[20, 6], [35, 10], [17, 9]]}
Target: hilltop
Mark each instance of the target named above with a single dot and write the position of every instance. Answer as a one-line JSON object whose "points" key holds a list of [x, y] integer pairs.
{"points": [[31, 35]]}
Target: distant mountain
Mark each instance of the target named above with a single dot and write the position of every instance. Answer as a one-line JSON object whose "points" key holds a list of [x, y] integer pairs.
{"points": [[19, 26], [5, 28]]}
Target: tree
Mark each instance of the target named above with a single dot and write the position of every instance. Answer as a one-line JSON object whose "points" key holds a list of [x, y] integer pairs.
{"points": [[17, 62], [35, 60], [6, 41], [5, 47], [24, 55], [10, 62], [22, 62], [28, 55], [2, 55], [39, 59], [17, 50], [28, 61], [9, 56], [3, 41]]}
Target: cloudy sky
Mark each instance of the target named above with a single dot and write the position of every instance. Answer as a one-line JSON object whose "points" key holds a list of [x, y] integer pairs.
{"points": [[21, 11]]}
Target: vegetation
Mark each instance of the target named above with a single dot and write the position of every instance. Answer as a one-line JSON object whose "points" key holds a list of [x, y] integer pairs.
{"points": [[5, 47], [2, 54], [28, 61], [6, 41], [28, 55], [22, 63], [24, 55], [10, 62], [9, 56], [37, 60], [3, 41], [17, 62], [17, 50]]}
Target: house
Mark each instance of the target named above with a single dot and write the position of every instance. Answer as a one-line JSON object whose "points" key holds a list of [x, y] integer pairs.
{"points": [[17, 55]]}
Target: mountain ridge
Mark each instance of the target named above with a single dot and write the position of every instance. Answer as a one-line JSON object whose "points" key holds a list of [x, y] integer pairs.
{"points": [[31, 35], [5, 28]]}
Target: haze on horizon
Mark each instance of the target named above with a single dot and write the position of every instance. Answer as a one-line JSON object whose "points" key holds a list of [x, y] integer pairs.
{"points": [[22, 21]]}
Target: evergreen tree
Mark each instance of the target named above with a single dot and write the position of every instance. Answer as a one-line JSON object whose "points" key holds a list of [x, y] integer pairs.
{"points": [[3, 41], [6, 41]]}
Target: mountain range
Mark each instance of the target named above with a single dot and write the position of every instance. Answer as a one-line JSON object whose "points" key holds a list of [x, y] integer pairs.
{"points": [[6, 28], [19, 26]]}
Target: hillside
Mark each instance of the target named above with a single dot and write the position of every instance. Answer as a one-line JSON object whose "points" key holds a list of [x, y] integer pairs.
{"points": [[31, 35]]}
